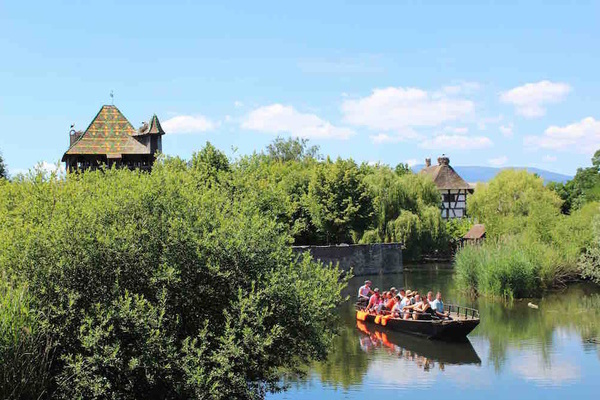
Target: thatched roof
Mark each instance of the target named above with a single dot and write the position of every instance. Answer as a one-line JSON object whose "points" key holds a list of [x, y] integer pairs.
{"points": [[476, 232], [444, 176]]}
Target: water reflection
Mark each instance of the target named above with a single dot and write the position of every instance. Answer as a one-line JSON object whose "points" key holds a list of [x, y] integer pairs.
{"points": [[422, 352]]}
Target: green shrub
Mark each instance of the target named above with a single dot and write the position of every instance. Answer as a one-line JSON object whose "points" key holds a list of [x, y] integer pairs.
{"points": [[24, 349], [509, 267], [173, 284]]}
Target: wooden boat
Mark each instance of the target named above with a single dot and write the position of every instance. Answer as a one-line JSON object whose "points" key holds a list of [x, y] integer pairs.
{"points": [[450, 353], [463, 321]]}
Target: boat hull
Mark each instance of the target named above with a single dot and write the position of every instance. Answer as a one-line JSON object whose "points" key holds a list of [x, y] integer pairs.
{"points": [[450, 330]]}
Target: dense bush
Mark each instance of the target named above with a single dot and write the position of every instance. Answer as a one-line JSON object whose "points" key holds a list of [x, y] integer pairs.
{"points": [[173, 284], [531, 245], [589, 262], [24, 350], [508, 267]]}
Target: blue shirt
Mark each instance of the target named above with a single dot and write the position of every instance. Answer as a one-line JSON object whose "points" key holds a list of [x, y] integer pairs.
{"points": [[437, 305]]}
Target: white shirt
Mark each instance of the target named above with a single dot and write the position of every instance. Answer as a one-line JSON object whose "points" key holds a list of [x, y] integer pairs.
{"points": [[397, 307], [405, 301], [364, 291]]}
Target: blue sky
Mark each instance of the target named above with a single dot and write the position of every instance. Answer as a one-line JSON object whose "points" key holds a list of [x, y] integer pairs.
{"points": [[487, 84]]}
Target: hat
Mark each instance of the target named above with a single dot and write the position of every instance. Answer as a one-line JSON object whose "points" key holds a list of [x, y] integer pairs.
{"points": [[397, 296], [393, 289], [367, 282], [409, 293], [376, 290]]}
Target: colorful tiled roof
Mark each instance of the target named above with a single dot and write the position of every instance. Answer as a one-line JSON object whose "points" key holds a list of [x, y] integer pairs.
{"points": [[153, 128], [109, 133]]}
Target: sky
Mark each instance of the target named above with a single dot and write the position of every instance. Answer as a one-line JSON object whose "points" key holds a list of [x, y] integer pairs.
{"points": [[511, 84]]}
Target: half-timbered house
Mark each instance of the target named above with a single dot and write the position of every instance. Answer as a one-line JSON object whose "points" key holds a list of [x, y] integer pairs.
{"points": [[453, 189]]}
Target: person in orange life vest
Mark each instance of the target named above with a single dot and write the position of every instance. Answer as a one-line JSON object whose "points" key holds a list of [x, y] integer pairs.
{"points": [[373, 301]]}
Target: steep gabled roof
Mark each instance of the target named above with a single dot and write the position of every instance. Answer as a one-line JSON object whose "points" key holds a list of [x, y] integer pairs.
{"points": [[108, 133], [444, 176]]}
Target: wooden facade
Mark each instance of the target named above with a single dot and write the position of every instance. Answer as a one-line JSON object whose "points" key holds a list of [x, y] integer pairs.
{"points": [[453, 189], [111, 141]]}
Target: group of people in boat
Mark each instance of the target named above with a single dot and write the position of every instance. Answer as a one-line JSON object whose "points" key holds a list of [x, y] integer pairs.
{"points": [[405, 304]]}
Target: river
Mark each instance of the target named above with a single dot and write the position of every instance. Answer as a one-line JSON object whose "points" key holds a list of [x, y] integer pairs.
{"points": [[516, 352]]}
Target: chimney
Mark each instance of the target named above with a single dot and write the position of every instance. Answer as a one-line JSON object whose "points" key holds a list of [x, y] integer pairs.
{"points": [[443, 160], [427, 162]]}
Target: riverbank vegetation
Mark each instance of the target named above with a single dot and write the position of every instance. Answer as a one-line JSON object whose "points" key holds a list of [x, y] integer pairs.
{"points": [[532, 244], [174, 284]]}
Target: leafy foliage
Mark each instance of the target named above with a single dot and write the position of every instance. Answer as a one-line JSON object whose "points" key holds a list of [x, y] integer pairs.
{"points": [[173, 284], [531, 245], [3, 170], [582, 189], [590, 259], [292, 149]]}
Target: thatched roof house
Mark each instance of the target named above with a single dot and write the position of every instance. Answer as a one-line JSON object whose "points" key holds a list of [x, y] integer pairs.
{"points": [[452, 187]]}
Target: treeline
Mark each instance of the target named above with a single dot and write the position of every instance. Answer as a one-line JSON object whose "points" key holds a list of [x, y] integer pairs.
{"points": [[325, 201], [170, 285], [538, 236]]}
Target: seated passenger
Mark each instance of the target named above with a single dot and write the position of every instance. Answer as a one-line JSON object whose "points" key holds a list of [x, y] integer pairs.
{"points": [[373, 301], [364, 292], [384, 299], [423, 310], [407, 304], [438, 306], [397, 309]]}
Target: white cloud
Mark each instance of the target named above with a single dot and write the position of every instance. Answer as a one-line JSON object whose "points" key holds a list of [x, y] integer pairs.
{"points": [[529, 99], [399, 136], [238, 104], [411, 162], [507, 130], [484, 122], [458, 130], [277, 118], [456, 142], [188, 124], [498, 162], [580, 137], [549, 158], [398, 108], [463, 87]]}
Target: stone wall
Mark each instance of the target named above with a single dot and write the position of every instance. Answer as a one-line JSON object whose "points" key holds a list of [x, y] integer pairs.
{"points": [[364, 259]]}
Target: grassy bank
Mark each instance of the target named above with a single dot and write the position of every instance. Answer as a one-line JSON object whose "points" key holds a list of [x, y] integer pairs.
{"points": [[531, 246], [511, 267]]}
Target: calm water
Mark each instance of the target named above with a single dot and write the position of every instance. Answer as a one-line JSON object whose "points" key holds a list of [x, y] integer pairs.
{"points": [[516, 352]]}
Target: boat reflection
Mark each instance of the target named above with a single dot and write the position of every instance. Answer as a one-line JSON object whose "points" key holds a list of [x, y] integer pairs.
{"points": [[425, 353]]}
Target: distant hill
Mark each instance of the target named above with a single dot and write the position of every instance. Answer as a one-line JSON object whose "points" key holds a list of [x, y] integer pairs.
{"points": [[474, 174]]}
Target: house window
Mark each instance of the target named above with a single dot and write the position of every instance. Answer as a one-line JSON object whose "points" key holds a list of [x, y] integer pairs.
{"points": [[449, 197]]}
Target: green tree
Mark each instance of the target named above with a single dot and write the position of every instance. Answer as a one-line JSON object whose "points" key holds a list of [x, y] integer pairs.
{"points": [[402, 169], [339, 202], [291, 149], [3, 170], [512, 201], [163, 285], [582, 189]]}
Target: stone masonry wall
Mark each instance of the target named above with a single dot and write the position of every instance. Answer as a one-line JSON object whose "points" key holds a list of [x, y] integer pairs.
{"points": [[364, 259]]}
